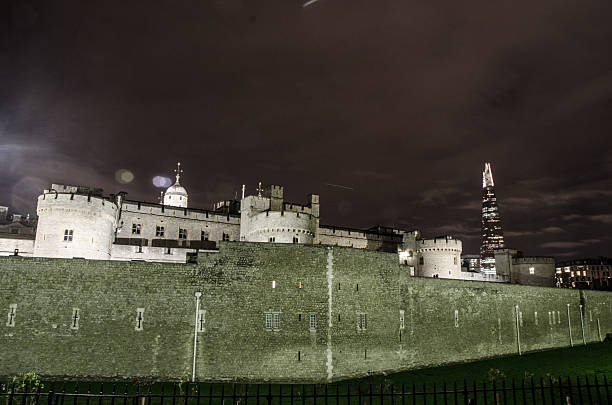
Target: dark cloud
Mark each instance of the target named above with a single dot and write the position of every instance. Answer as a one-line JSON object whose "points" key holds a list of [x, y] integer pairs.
{"points": [[402, 102]]}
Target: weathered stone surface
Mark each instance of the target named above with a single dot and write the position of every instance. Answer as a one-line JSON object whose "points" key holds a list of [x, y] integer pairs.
{"points": [[445, 320]]}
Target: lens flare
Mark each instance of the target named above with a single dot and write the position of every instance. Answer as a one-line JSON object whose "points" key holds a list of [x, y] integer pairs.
{"points": [[161, 182], [124, 176]]}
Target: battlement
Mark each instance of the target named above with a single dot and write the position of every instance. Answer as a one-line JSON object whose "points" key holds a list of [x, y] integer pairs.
{"points": [[177, 212], [63, 188], [52, 198], [440, 243], [533, 260]]}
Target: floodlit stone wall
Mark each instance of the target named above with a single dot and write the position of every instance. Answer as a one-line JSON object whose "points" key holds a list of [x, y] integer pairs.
{"points": [[113, 319], [24, 247], [171, 219]]}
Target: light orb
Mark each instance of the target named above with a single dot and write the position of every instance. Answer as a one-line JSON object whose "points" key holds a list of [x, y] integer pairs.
{"points": [[124, 176]]}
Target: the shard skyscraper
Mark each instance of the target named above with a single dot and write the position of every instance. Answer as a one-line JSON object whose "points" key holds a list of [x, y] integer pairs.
{"points": [[492, 235]]}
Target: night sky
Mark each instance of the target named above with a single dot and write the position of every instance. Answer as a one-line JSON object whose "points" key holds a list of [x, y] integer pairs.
{"points": [[399, 102]]}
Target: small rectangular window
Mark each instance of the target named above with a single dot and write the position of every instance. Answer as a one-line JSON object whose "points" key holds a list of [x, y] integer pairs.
{"points": [[456, 318], [401, 325], [226, 236], [74, 322], [201, 320], [313, 321], [532, 270], [160, 231], [276, 321], [11, 315], [535, 317], [295, 239], [271, 239], [362, 321], [268, 320], [182, 233], [204, 236], [139, 319], [136, 229], [68, 235]]}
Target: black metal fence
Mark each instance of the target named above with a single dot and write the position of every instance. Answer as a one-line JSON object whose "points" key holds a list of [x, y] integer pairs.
{"points": [[554, 391]]}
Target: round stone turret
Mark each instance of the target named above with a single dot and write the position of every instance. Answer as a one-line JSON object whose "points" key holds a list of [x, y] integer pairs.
{"points": [[74, 222], [439, 257]]}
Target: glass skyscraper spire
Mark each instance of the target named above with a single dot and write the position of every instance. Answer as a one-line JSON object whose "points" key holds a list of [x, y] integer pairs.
{"points": [[492, 235]]}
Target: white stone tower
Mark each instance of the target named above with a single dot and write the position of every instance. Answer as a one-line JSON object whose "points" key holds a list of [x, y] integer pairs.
{"points": [[176, 195], [439, 257], [75, 222], [265, 217]]}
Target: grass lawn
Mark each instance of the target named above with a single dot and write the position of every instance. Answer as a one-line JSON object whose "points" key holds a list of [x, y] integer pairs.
{"points": [[577, 361]]}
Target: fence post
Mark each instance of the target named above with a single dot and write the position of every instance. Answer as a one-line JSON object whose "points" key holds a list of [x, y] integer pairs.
{"points": [[597, 389], [50, 395], [588, 387], [569, 326], [579, 390], [607, 390], [569, 397]]}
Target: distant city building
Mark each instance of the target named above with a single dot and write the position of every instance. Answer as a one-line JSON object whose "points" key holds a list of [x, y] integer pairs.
{"points": [[470, 263], [590, 273], [525, 270], [492, 235]]}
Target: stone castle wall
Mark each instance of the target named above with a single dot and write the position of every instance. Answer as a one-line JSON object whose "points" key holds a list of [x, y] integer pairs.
{"points": [[25, 247], [409, 322], [172, 218]]}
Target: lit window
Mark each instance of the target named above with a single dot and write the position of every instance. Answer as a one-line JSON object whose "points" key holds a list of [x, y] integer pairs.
{"points": [[136, 229], [401, 325], [273, 284], [182, 233], [159, 231], [68, 235], [532, 270]]}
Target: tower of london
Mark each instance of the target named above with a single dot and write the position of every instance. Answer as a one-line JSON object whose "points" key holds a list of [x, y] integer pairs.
{"points": [[84, 222]]}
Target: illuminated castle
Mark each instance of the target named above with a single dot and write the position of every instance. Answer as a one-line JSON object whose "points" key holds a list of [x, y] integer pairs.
{"points": [[81, 222]]}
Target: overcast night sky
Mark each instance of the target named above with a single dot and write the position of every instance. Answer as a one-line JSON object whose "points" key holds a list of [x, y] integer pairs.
{"points": [[401, 102]]}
